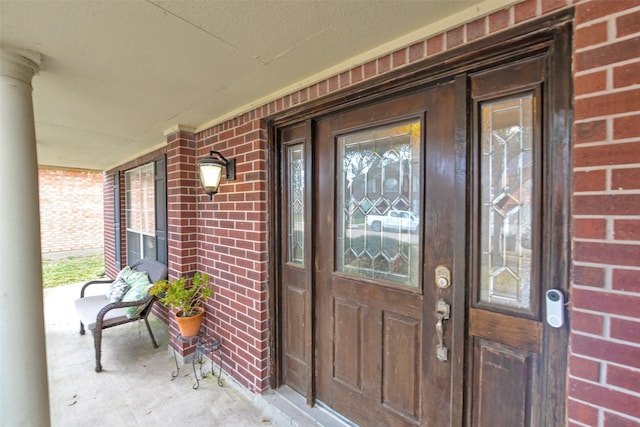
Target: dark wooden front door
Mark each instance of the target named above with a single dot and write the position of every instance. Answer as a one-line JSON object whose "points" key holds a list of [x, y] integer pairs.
{"points": [[384, 196], [422, 234]]}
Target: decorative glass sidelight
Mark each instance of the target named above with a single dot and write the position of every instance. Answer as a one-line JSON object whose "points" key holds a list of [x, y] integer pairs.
{"points": [[506, 195], [295, 187], [378, 203]]}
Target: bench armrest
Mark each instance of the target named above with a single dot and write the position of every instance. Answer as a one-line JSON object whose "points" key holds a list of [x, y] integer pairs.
{"points": [[122, 304], [93, 282]]}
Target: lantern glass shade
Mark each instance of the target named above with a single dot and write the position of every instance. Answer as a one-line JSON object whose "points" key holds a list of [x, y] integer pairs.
{"points": [[211, 171], [210, 174]]}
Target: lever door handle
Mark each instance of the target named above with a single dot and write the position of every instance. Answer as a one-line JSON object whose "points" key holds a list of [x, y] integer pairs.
{"points": [[442, 313]]}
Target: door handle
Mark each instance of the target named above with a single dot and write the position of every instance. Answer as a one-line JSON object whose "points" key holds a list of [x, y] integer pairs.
{"points": [[443, 311]]}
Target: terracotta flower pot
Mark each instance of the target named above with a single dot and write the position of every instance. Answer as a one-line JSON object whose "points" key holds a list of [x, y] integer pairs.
{"points": [[190, 326]]}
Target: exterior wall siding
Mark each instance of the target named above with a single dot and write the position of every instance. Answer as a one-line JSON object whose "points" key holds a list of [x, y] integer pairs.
{"points": [[71, 209], [228, 236]]}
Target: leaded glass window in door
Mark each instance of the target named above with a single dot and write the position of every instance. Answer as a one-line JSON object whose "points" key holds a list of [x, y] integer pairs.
{"points": [[506, 195], [295, 187], [378, 203]]}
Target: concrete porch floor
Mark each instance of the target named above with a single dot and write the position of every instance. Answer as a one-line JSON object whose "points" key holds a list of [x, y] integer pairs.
{"points": [[135, 388]]}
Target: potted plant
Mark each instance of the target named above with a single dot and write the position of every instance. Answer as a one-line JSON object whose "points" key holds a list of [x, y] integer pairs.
{"points": [[186, 297]]}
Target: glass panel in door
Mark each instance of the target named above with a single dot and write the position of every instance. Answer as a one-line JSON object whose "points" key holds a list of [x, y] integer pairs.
{"points": [[378, 214], [295, 185], [506, 202]]}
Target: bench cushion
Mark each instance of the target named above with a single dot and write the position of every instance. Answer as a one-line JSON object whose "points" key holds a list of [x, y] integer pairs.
{"points": [[89, 307], [119, 287], [156, 270], [139, 288]]}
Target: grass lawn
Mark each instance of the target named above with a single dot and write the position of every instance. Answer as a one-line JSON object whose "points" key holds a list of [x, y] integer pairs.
{"points": [[71, 270]]}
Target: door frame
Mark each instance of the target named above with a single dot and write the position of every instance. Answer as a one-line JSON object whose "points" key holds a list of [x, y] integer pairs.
{"points": [[550, 33]]}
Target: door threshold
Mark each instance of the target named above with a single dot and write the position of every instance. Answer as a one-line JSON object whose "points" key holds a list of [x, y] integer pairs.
{"points": [[294, 407]]}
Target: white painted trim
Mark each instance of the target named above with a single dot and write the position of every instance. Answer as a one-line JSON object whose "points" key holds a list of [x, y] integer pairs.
{"points": [[178, 127]]}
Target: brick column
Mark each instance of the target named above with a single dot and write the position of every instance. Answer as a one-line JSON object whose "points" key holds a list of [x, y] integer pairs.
{"points": [[182, 184]]}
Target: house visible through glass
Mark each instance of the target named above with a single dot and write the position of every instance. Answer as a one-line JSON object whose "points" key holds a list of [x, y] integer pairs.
{"points": [[378, 203]]}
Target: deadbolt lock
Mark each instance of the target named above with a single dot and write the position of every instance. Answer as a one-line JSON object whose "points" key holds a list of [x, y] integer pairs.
{"points": [[443, 277]]}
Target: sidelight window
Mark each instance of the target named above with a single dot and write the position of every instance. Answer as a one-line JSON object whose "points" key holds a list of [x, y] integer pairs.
{"points": [[296, 190], [506, 196]]}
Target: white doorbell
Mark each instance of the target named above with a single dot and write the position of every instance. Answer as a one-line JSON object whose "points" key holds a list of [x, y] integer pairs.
{"points": [[555, 308]]}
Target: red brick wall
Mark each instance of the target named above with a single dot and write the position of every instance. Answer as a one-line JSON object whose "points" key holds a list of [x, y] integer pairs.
{"points": [[604, 383], [70, 209], [232, 248]]}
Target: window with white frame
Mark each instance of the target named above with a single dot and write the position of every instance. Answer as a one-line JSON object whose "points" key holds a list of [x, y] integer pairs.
{"points": [[140, 213]]}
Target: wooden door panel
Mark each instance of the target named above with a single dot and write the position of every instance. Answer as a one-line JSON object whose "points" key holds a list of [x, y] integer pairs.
{"points": [[386, 381], [294, 355], [502, 384], [347, 343], [295, 320], [401, 364]]}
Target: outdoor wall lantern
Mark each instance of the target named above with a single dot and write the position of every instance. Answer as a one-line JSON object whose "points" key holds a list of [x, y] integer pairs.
{"points": [[211, 171]]}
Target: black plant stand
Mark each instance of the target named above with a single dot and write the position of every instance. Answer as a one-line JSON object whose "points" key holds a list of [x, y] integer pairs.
{"points": [[204, 345]]}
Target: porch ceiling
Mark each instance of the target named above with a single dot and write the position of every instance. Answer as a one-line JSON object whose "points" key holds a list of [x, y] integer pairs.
{"points": [[116, 74]]}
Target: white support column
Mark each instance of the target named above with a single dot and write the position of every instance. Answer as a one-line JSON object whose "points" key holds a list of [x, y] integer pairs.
{"points": [[24, 390]]}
